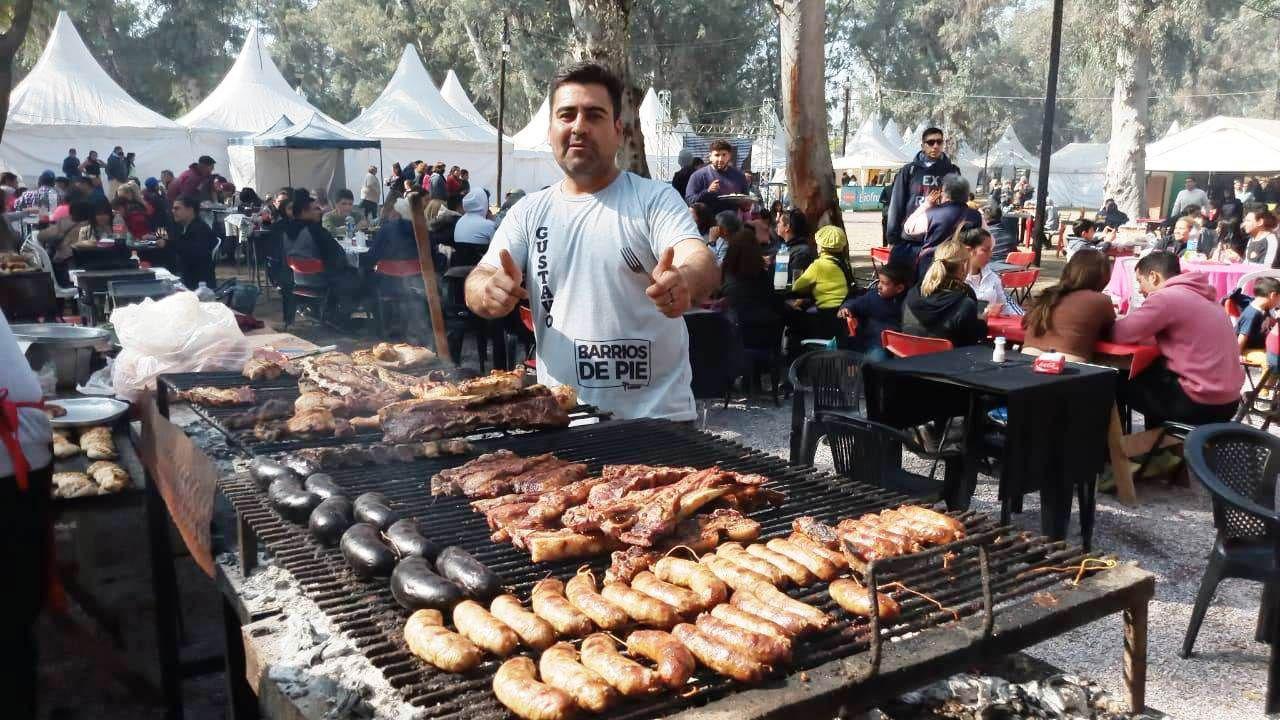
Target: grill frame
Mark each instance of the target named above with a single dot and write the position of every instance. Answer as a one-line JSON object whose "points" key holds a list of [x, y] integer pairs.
{"points": [[365, 612]]}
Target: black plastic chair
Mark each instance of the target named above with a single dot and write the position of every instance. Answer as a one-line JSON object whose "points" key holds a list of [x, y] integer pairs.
{"points": [[459, 321], [821, 381], [715, 357], [871, 452], [1238, 465], [29, 296]]}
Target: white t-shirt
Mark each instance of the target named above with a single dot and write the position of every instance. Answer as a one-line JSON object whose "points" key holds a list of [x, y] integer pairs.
{"points": [[372, 189], [34, 433], [595, 328]]}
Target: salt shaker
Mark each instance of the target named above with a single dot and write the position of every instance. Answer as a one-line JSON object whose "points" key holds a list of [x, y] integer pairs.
{"points": [[997, 355]]}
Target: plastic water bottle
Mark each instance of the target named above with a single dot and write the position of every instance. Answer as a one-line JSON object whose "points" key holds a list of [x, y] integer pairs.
{"points": [[351, 229], [204, 294], [117, 225], [781, 268]]}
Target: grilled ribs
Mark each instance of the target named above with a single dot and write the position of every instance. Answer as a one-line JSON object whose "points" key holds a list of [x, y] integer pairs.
{"points": [[311, 460], [533, 407], [218, 397]]}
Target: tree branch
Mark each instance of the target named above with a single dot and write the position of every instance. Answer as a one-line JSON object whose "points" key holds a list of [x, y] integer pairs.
{"points": [[12, 39]]}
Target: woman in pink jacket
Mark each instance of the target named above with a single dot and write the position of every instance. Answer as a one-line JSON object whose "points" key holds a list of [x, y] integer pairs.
{"points": [[1199, 378]]}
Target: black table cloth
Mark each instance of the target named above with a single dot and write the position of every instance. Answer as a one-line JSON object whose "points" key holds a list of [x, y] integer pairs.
{"points": [[1056, 438]]}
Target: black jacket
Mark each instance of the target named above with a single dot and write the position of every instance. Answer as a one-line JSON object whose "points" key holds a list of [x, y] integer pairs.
{"points": [[117, 168], [950, 314], [311, 240], [913, 182], [193, 245], [943, 220], [71, 166], [757, 309], [393, 241], [799, 257]]}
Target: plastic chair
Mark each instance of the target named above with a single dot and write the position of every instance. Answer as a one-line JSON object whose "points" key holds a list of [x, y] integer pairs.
{"points": [[1019, 283], [1020, 258], [867, 451], [42, 256], [821, 381], [879, 256], [1238, 466], [459, 321], [28, 296], [308, 286], [903, 345], [391, 287], [715, 350]]}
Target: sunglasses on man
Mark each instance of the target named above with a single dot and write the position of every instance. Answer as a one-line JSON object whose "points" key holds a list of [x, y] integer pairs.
{"points": [[935, 141]]}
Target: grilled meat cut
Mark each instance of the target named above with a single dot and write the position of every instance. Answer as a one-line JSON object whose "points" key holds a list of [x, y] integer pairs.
{"points": [[318, 422], [312, 460], [395, 356], [273, 409], [218, 397], [531, 408], [496, 383], [343, 405]]}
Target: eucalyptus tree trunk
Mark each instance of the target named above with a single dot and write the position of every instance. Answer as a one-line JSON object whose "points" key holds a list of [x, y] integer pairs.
{"points": [[1127, 156], [10, 42], [802, 34], [601, 36]]}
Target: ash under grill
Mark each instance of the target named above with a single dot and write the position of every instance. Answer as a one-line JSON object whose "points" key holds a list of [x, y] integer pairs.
{"points": [[368, 614]]}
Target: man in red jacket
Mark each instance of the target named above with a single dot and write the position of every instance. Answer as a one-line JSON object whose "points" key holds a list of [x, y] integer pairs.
{"points": [[196, 181]]}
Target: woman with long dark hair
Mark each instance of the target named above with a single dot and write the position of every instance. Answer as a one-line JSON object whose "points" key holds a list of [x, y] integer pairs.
{"points": [[748, 291], [1071, 316]]}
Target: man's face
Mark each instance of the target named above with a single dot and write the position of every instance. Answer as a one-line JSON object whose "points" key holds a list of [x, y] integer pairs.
{"points": [[932, 146], [310, 214], [205, 170], [720, 159], [584, 133], [1236, 185], [888, 288], [166, 176], [93, 154], [1149, 283], [182, 213], [344, 206], [465, 175], [1190, 184]]}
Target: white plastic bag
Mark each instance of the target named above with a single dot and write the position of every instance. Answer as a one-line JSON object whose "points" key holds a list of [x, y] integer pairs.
{"points": [[917, 223], [175, 334]]}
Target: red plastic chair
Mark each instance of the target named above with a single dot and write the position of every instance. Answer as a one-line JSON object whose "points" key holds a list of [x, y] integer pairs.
{"points": [[1020, 282], [851, 323], [309, 287], [526, 317], [903, 345], [397, 268], [1021, 258], [879, 256]]}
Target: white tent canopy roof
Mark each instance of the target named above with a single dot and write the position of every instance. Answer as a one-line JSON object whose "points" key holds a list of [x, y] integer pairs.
{"points": [[534, 134], [1009, 152], [251, 97], [1174, 129], [1080, 158], [453, 93], [1219, 144], [67, 86], [410, 107], [891, 130], [870, 149]]}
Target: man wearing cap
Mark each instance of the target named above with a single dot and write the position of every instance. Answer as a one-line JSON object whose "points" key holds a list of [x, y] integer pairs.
{"points": [[195, 181], [43, 195]]}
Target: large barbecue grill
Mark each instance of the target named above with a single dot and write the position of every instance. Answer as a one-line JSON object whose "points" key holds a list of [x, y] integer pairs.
{"points": [[998, 590]]}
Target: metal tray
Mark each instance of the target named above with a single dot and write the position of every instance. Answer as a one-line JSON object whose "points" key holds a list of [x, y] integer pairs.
{"points": [[89, 411]]}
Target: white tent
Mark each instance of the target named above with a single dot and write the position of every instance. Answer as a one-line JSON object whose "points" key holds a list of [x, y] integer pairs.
{"points": [[1174, 129], [452, 92], [307, 153], [1009, 155], [534, 134], [68, 100], [1077, 175], [662, 142], [767, 158], [870, 150], [891, 130], [251, 97], [1219, 144], [683, 126]]}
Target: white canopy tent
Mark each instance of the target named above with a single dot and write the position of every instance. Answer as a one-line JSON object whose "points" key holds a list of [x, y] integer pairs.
{"points": [[891, 130], [305, 154], [68, 100], [1077, 175], [1008, 155], [1219, 144], [251, 97], [453, 93], [767, 157], [869, 150], [534, 134], [662, 142], [1174, 129]]}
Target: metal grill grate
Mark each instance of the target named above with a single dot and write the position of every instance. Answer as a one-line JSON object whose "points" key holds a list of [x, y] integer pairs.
{"points": [[366, 612]]}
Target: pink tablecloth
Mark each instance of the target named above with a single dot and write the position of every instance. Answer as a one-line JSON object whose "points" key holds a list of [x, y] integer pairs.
{"points": [[1222, 278]]}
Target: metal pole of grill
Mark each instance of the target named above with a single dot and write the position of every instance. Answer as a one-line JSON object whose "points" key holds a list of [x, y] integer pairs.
{"points": [[1046, 134]]}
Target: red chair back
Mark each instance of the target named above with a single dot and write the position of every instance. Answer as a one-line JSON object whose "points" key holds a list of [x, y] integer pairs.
{"points": [[851, 323], [1019, 279], [526, 317], [397, 268], [880, 254], [903, 345], [305, 266], [1020, 258]]}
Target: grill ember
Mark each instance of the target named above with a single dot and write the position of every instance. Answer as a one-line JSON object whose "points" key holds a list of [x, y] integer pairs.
{"points": [[991, 571]]}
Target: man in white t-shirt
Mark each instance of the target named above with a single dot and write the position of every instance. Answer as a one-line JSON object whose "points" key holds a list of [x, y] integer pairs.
{"points": [[611, 260]]}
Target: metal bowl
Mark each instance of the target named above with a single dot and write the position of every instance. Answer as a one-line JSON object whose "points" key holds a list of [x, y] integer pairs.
{"points": [[69, 347]]}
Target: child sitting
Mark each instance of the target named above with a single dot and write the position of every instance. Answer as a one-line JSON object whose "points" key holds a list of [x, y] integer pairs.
{"points": [[877, 310], [1255, 321]]}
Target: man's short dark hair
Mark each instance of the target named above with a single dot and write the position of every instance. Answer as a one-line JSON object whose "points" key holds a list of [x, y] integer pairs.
{"points": [[721, 145], [896, 272], [1192, 209], [345, 194], [71, 151], [1082, 226], [931, 131], [453, 202], [206, 160], [301, 200], [1165, 264], [991, 214], [729, 221], [956, 188], [798, 223], [189, 201], [1264, 286], [589, 73]]}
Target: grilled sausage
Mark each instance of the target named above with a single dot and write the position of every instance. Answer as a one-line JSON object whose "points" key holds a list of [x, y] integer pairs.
{"points": [[581, 592], [560, 669], [936, 518], [867, 548], [685, 602], [791, 624], [330, 519], [550, 604], [365, 552], [373, 508], [675, 663], [533, 630], [745, 620], [735, 553], [732, 574], [815, 618], [516, 686], [323, 485], [711, 590], [482, 628], [415, 586], [813, 547], [626, 676], [798, 574], [427, 638], [474, 577], [764, 649], [642, 608], [852, 596], [404, 538], [719, 657], [815, 564]]}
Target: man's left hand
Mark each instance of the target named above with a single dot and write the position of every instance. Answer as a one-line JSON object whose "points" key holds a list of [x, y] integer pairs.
{"points": [[670, 290]]}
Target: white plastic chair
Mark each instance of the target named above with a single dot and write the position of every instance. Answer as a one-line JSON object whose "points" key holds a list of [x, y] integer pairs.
{"points": [[46, 262]]}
